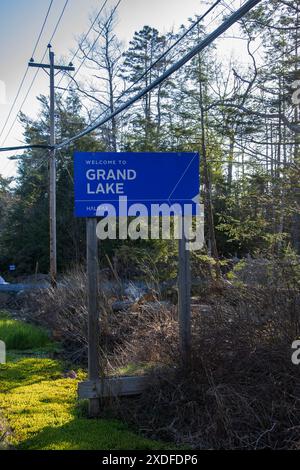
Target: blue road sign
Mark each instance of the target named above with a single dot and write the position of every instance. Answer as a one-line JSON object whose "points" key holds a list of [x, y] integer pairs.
{"points": [[12, 267], [142, 178]]}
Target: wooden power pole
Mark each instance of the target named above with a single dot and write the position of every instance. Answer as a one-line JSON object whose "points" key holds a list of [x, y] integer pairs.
{"points": [[52, 161], [52, 176]]}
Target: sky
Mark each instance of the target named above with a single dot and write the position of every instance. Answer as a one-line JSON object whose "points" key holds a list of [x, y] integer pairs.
{"points": [[20, 24]]}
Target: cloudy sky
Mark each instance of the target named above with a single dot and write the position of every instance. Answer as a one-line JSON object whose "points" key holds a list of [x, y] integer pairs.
{"points": [[21, 21]]}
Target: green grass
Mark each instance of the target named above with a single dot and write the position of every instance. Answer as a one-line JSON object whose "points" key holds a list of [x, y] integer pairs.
{"points": [[40, 406], [42, 410], [21, 336]]}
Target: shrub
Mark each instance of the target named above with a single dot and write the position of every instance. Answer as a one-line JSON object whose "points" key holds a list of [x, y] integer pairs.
{"points": [[22, 336], [241, 391]]}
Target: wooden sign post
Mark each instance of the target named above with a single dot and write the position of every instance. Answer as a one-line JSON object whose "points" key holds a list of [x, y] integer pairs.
{"points": [[93, 311], [97, 386], [120, 180], [184, 299]]}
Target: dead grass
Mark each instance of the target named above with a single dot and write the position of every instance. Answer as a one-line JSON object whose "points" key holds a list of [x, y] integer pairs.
{"points": [[242, 390]]}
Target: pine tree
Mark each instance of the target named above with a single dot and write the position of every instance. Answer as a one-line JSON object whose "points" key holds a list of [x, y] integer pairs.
{"points": [[25, 237], [145, 122]]}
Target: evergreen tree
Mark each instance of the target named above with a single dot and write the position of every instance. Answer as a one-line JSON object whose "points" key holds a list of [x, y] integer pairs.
{"points": [[25, 237]]}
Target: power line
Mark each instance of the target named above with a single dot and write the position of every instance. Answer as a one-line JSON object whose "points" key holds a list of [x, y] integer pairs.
{"points": [[58, 22], [25, 147], [43, 146], [42, 29], [186, 58], [165, 53], [36, 73], [150, 67], [26, 71]]}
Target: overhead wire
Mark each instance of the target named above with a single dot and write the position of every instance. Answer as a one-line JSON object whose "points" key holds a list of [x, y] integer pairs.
{"points": [[245, 8], [166, 52], [186, 58], [26, 71], [36, 73]]}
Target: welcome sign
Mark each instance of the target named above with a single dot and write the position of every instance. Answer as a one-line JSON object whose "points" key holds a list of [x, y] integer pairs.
{"points": [[140, 178]]}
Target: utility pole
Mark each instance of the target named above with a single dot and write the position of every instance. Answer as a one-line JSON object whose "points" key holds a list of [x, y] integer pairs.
{"points": [[52, 160], [52, 176]]}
